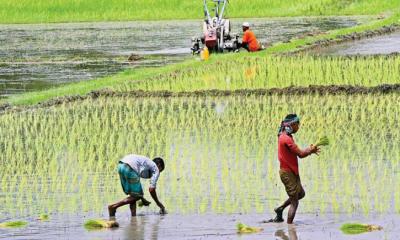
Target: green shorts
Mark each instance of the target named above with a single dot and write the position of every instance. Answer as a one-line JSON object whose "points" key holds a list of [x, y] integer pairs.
{"points": [[130, 180], [292, 183]]}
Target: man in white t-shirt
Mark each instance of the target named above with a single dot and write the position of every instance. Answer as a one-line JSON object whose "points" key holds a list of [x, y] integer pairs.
{"points": [[130, 169]]}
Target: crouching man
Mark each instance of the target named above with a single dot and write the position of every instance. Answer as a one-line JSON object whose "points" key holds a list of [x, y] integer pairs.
{"points": [[130, 169]]}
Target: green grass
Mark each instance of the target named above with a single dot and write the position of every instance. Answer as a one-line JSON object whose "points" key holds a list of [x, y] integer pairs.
{"points": [[41, 11]]}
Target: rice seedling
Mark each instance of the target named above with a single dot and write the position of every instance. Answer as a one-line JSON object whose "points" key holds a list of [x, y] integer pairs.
{"points": [[274, 72], [357, 228], [243, 228], [323, 141], [96, 224], [221, 153], [16, 224], [43, 217]]}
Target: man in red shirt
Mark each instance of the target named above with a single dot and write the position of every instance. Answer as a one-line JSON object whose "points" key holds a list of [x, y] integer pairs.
{"points": [[249, 40], [288, 152]]}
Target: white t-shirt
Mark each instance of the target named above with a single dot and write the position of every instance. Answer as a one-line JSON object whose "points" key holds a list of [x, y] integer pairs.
{"points": [[145, 167]]}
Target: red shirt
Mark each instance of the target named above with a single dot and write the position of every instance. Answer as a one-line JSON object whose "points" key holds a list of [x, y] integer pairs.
{"points": [[250, 38], [288, 152]]}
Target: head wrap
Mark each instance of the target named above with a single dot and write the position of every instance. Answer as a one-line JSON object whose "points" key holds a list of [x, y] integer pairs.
{"points": [[287, 122]]}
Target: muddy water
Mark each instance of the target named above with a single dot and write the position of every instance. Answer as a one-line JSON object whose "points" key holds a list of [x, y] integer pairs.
{"points": [[34, 57], [386, 44], [209, 226]]}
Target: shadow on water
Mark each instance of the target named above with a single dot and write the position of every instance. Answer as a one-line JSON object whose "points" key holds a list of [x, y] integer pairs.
{"points": [[46, 55]]}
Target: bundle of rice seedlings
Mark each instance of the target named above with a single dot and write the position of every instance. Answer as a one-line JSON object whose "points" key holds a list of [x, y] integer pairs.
{"points": [[243, 228], [357, 228], [15, 224], [323, 141], [95, 224], [43, 217]]}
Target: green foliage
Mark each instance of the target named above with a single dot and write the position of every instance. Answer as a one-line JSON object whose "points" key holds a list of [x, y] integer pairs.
{"points": [[35, 11], [16, 224]]}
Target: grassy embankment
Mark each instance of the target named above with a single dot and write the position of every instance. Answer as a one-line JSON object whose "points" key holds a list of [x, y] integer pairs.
{"points": [[45, 11]]}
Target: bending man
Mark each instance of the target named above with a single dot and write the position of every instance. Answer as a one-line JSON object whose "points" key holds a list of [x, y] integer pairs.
{"points": [[130, 169], [288, 152]]}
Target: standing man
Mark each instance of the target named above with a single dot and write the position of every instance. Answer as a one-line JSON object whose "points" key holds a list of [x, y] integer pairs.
{"points": [[130, 169], [249, 40], [288, 152]]}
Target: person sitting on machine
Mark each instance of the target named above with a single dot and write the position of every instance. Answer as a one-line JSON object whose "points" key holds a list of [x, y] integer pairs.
{"points": [[249, 40]]}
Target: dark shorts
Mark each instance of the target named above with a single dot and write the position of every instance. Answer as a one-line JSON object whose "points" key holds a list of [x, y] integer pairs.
{"points": [[130, 180], [292, 184]]}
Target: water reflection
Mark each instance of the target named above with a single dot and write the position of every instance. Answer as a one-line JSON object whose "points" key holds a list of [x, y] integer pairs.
{"points": [[143, 228], [291, 235]]}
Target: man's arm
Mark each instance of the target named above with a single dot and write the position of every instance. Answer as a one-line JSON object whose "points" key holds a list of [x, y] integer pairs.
{"points": [[301, 153], [153, 194]]}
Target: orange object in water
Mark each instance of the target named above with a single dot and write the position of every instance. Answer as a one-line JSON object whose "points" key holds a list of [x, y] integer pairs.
{"points": [[204, 54], [250, 38]]}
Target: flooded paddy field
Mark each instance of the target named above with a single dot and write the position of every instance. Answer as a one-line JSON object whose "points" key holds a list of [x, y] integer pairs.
{"points": [[207, 226], [385, 44], [221, 166], [39, 56]]}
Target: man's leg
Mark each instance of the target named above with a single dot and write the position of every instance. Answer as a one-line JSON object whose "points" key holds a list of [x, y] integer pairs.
{"points": [[279, 210], [294, 201], [292, 210], [132, 206], [113, 207]]}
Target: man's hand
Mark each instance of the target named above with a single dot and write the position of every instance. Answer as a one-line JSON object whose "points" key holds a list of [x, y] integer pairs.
{"points": [[315, 149]]}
